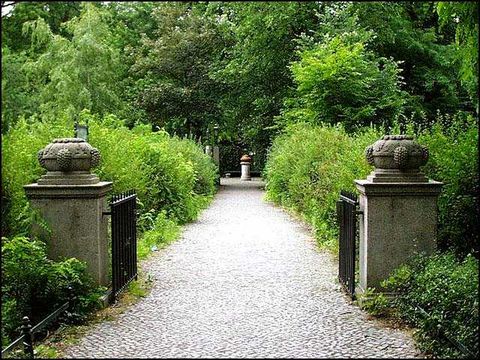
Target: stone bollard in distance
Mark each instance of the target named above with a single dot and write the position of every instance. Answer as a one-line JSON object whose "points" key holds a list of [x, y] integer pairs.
{"points": [[245, 162]]}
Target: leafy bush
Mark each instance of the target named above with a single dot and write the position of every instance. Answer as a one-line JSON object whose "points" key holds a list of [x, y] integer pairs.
{"points": [[162, 232], [34, 286], [307, 167], [168, 173], [20, 167], [374, 303], [340, 80], [454, 161], [447, 290]]}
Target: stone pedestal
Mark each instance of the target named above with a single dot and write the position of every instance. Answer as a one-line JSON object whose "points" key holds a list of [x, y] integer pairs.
{"points": [[399, 206], [79, 228], [72, 201], [399, 220], [245, 171]]}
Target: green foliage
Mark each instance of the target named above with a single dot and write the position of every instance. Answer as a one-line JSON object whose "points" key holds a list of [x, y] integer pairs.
{"points": [[34, 286], [409, 33], [447, 290], [465, 17], [454, 161], [163, 232], [17, 96], [20, 167], [78, 73], [54, 14], [375, 303], [168, 173], [307, 167], [171, 70], [340, 81]]}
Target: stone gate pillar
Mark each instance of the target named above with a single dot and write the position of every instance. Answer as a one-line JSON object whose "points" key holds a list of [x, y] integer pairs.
{"points": [[399, 207], [72, 201]]}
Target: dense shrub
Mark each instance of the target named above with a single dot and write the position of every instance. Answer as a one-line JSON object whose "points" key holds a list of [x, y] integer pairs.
{"points": [[308, 166], [447, 290], [20, 167], [34, 286], [454, 161], [168, 173]]}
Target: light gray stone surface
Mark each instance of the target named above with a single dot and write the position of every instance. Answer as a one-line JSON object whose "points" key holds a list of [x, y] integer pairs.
{"points": [[74, 213], [399, 221], [245, 280]]}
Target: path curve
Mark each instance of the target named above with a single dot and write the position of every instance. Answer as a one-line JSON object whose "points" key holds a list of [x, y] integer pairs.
{"points": [[245, 280]]}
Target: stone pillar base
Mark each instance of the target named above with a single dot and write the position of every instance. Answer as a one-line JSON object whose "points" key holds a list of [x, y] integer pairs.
{"points": [[399, 221], [79, 228], [245, 171]]}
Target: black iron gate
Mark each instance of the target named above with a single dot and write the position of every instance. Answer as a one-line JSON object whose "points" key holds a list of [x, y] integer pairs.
{"points": [[347, 220], [124, 240]]}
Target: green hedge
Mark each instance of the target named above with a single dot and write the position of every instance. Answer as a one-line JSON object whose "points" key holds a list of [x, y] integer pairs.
{"points": [[447, 290], [168, 173], [307, 167], [454, 161]]}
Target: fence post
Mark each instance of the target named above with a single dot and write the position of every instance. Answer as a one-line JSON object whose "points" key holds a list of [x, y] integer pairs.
{"points": [[71, 299], [27, 337]]}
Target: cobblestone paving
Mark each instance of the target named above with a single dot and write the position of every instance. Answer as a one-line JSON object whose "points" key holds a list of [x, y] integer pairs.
{"points": [[245, 280]]}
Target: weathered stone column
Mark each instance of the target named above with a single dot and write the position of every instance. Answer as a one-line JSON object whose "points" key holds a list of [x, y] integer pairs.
{"points": [[245, 162], [208, 150], [399, 207], [72, 201], [216, 155]]}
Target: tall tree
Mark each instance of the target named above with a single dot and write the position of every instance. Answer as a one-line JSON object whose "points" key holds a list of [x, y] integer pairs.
{"points": [[54, 13], [465, 16], [77, 73], [171, 69], [255, 68]]}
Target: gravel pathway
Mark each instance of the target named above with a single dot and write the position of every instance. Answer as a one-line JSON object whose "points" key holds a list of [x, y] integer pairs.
{"points": [[245, 280]]}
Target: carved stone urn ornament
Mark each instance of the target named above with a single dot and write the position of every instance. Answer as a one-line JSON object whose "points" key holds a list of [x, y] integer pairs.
{"points": [[245, 158], [68, 162], [397, 158]]}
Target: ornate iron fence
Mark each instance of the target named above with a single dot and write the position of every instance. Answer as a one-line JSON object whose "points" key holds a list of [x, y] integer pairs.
{"points": [[123, 209], [347, 221]]}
